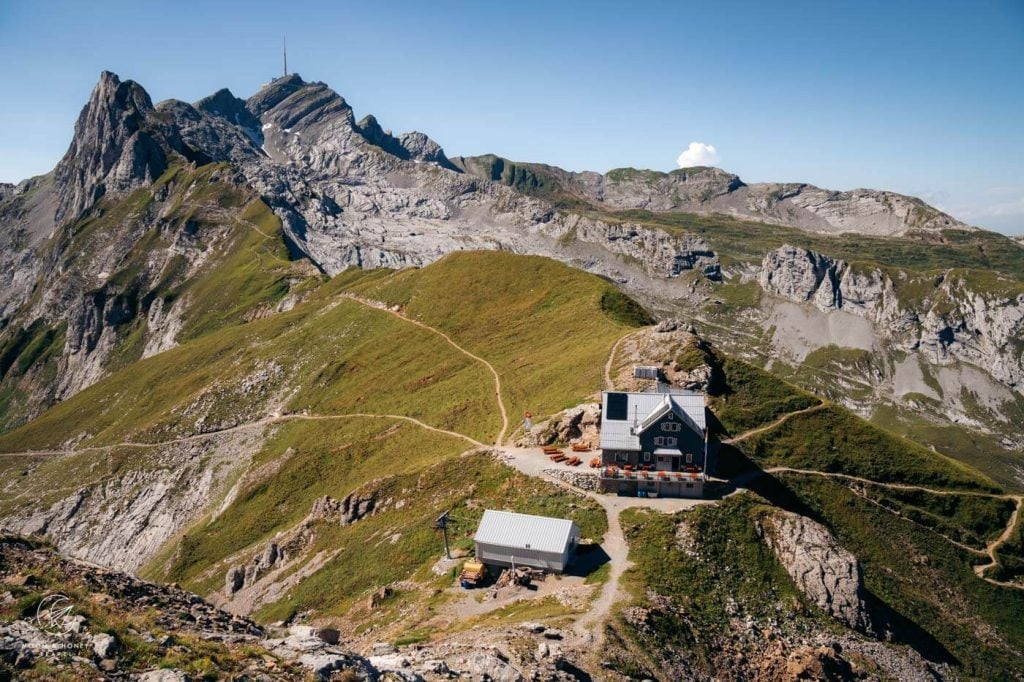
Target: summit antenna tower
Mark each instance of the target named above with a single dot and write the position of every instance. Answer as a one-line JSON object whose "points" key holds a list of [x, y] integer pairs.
{"points": [[284, 46]]}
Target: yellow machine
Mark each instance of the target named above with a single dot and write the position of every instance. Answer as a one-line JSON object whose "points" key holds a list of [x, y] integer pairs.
{"points": [[473, 573]]}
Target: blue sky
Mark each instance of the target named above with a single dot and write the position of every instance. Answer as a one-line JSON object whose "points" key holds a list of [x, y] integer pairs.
{"points": [[924, 98]]}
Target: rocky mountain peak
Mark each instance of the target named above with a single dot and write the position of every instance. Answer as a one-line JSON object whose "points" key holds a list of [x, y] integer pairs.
{"points": [[112, 149], [224, 104], [708, 174], [372, 131], [273, 93]]}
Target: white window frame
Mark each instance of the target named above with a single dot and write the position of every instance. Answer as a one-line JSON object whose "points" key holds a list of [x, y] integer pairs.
{"points": [[647, 457], [659, 441], [689, 458], [670, 441]]}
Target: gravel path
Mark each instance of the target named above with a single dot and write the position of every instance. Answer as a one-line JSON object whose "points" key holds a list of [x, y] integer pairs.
{"points": [[380, 305], [276, 419]]}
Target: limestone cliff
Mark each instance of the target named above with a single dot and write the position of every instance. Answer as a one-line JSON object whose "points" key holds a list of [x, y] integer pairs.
{"points": [[948, 316]]}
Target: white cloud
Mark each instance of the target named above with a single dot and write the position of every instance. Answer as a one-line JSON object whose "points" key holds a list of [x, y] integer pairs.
{"points": [[698, 154]]}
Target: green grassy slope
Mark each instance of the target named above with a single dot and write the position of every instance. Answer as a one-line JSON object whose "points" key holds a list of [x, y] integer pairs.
{"points": [[834, 440], [720, 561], [541, 324], [748, 398], [921, 587], [547, 329], [367, 557], [332, 355], [922, 582], [924, 578]]}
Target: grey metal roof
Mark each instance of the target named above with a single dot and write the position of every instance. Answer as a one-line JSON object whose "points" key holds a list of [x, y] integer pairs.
{"points": [[616, 433], [524, 531], [668, 405]]}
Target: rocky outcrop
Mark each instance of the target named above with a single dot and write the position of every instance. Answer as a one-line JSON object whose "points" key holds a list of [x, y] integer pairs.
{"points": [[827, 574], [225, 105], [113, 150], [949, 317], [414, 146], [68, 630], [354, 507], [628, 188], [801, 275], [658, 253], [275, 554], [580, 424]]}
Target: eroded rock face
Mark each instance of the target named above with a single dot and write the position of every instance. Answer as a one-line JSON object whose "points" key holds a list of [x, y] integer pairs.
{"points": [[802, 275], [953, 320], [827, 574], [121, 521], [286, 546]]}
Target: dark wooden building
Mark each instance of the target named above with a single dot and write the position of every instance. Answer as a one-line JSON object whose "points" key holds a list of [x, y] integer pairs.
{"points": [[654, 443]]}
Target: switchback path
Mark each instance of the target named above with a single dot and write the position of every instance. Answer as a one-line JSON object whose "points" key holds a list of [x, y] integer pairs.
{"points": [[990, 549], [380, 305], [980, 570], [276, 419]]}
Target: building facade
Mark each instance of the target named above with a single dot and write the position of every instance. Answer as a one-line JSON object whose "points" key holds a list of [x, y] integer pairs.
{"points": [[507, 539], [654, 443]]}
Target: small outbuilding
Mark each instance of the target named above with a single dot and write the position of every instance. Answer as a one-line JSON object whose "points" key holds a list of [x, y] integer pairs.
{"points": [[510, 539]]}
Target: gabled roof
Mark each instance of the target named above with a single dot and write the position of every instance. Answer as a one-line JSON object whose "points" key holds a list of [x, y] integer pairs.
{"points": [[668, 405], [524, 531], [621, 427]]}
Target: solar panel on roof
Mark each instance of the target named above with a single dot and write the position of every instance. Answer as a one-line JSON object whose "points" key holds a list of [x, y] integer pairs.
{"points": [[645, 372], [618, 406]]}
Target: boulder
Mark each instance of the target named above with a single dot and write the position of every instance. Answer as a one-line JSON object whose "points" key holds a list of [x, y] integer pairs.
{"points": [[326, 635], [322, 665], [234, 580], [487, 666], [104, 645], [577, 424], [164, 675]]}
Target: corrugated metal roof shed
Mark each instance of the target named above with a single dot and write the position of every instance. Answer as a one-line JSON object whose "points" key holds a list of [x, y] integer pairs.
{"points": [[615, 433], [509, 529]]}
